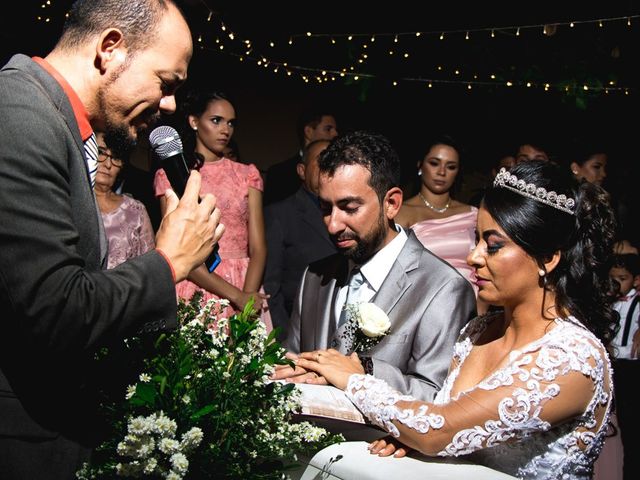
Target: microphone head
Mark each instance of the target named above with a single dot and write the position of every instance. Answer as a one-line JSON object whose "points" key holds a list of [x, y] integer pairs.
{"points": [[165, 142]]}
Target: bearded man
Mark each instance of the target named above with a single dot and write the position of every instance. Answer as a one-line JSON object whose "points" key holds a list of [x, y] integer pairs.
{"points": [[115, 68], [426, 300]]}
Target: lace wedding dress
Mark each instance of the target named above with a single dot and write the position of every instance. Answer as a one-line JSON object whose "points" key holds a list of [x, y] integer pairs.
{"points": [[543, 415]]}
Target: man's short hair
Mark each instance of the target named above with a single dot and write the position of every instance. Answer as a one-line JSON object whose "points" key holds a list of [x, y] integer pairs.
{"points": [[137, 19], [305, 152], [311, 118], [372, 151]]}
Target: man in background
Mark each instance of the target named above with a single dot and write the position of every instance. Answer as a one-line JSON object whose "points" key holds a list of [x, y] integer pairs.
{"points": [[296, 237], [282, 178]]}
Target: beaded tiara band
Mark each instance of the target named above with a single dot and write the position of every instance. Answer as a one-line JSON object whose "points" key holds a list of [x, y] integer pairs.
{"points": [[506, 180]]}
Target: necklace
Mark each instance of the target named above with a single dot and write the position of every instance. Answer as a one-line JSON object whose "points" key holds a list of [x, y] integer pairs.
{"points": [[435, 209]]}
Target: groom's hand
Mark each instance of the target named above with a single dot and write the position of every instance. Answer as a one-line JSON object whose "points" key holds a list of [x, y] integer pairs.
{"points": [[296, 374]]}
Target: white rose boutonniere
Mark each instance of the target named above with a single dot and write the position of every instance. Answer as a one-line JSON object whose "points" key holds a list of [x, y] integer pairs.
{"points": [[366, 325]]}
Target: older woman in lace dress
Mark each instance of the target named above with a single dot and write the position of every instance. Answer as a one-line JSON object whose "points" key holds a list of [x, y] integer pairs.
{"points": [[125, 219]]}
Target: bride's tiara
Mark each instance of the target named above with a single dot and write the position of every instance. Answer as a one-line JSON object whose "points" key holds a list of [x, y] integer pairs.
{"points": [[506, 180]]}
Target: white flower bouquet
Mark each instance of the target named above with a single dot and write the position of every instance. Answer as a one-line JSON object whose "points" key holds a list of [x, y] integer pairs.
{"points": [[200, 404], [366, 325]]}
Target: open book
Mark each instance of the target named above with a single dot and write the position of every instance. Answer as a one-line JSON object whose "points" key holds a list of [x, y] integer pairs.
{"points": [[329, 402]]}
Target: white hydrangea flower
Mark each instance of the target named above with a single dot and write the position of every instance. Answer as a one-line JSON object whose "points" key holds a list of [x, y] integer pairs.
{"points": [[180, 463], [150, 466], [168, 445], [145, 377]]}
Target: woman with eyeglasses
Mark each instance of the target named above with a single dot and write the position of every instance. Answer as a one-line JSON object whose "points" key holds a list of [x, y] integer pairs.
{"points": [[125, 219]]}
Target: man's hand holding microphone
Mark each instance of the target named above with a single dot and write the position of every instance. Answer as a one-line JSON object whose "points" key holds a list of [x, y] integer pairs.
{"points": [[190, 229]]}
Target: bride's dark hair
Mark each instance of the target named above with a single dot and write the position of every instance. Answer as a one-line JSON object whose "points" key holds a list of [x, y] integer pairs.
{"points": [[585, 240]]}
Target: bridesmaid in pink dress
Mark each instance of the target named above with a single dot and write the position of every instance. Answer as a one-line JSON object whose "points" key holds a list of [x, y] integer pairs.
{"points": [[444, 226], [238, 188]]}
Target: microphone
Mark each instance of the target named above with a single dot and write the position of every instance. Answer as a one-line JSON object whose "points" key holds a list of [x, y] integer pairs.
{"points": [[167, 148]]}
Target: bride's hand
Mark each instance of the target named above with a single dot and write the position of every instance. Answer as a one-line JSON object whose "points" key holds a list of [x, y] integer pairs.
{"points": [[386, 446], [335, 367]]}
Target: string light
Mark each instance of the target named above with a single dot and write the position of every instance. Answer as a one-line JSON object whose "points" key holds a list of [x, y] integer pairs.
{"points": [[469, 31], [308, 73]]}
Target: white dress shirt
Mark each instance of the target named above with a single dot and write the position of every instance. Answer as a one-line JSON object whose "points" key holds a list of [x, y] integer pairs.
{"points": [[374, 271], [622, 307]]}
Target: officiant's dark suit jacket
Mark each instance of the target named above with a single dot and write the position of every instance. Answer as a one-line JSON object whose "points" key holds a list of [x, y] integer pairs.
{"points": [[296, 236], [426, 299], [58, 306]]}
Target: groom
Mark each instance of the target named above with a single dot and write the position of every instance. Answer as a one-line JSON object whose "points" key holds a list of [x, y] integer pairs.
{"points": [[426, 300]]}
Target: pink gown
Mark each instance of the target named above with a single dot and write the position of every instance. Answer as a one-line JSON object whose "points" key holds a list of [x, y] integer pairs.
{"points": [[229, 181], [451, 239], [128, 230]]}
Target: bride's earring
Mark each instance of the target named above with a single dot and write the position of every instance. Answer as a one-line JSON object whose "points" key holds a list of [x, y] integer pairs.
{"points": [[541, 272], [419, 173]]}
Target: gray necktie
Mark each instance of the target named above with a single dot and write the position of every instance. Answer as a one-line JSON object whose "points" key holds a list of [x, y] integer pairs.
{"points": [[353, 293]]}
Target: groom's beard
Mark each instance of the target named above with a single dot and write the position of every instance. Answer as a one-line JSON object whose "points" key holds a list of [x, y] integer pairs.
{"points": [[369, 244]]}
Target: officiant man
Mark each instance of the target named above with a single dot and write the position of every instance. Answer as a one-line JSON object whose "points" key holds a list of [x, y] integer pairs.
{"points": [[426, 300], [116, 66]]}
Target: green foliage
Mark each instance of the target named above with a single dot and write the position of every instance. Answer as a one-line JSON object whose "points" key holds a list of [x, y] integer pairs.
{"points": [[211, 379]]}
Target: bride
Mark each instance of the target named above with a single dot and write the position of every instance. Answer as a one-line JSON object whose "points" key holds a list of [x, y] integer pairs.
{"points": [[529, 389]]}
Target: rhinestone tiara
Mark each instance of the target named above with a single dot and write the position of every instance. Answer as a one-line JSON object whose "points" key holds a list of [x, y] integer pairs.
{"points": [[505, 179]]}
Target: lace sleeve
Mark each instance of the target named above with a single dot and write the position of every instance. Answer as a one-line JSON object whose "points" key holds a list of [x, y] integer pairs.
{"points": [[377, 401], [563, 381]]}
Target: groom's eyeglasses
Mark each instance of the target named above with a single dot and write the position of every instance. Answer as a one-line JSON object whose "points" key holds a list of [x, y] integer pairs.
{"points": [[103, 155]]}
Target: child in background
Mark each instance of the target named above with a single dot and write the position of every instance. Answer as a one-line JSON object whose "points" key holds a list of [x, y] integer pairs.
{"points": [[625, 269]]}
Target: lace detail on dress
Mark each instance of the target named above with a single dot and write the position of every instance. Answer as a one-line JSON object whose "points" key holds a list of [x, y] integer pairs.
{"points": [[508, 430], [376, 399]]}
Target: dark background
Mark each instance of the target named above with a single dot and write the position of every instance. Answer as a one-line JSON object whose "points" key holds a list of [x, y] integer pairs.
{"points": [[489, 119]]}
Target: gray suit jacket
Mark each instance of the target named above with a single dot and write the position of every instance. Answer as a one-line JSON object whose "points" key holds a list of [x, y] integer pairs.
{"points": [[58, 306], [296, 236], [426, 299]]}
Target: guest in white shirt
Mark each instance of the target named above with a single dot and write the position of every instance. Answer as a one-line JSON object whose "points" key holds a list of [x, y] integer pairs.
{"points": [[625, 270]]}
